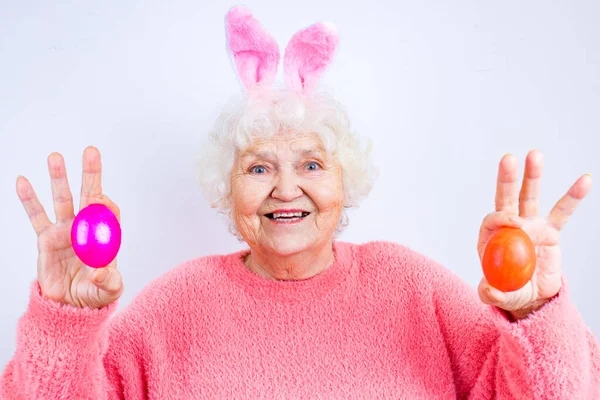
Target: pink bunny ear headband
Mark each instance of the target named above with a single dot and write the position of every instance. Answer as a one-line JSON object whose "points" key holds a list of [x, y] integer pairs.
{"points": [[257, 56]]}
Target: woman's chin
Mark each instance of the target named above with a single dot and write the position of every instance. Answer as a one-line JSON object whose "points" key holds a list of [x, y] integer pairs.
{"points": [[288, 246]]}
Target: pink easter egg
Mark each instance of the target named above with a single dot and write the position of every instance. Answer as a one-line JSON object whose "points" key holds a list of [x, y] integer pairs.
{"points": [[96, 235]]}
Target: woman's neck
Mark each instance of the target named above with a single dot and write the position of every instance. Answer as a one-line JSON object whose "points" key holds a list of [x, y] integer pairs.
{"points": [[299, 266]]}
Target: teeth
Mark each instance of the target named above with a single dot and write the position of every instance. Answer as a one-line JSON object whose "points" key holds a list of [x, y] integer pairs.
{"points": [[287, 215]]}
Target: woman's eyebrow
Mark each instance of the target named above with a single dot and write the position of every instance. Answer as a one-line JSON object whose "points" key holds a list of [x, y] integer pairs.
{"points": [[310, 152], [265, 155]]}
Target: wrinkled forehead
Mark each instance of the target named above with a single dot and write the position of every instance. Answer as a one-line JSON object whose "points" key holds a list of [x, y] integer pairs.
{"points": [[285, 143]]}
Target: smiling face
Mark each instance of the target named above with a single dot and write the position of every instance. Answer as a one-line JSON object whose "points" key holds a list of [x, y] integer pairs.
{"points": [[287, 194]]}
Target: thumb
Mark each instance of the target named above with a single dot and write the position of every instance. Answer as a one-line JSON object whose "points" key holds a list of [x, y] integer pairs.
{"points": [[489, 294], [108, 279]]}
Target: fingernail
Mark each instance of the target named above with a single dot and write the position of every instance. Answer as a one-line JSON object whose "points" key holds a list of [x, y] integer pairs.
{"points": [[101, 277], [589, 174], [496, 294], [490, 295]]}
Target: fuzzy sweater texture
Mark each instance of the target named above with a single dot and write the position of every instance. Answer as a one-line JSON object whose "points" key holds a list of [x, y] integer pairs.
{"points": [[382, 322]]}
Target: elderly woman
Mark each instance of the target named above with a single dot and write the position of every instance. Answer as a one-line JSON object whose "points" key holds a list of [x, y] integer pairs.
{"points": [[298, 314]]}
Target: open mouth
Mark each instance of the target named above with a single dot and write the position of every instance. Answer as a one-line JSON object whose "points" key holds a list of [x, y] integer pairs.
{"points": [[287, 217]]}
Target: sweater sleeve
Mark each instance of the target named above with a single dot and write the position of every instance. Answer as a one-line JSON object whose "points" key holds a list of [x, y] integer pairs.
{"points": [[551, 354], [68, 352]]}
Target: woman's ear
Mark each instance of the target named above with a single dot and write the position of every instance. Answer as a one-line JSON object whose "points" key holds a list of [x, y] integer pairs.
{"points": [[254, 50], [307, 56]]}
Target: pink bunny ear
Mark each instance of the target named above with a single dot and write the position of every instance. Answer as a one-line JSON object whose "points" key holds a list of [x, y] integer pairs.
{"points": [[255, 52], [307, 56]]}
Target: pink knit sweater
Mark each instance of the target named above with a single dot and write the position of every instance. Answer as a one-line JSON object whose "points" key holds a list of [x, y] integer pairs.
{"points": [[381, 322]]}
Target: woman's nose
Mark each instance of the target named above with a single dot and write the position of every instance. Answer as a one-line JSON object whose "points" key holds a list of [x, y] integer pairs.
{"points": [[287, 186]]}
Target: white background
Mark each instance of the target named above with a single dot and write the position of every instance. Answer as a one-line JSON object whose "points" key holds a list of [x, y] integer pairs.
{"points": [[443, 89]]}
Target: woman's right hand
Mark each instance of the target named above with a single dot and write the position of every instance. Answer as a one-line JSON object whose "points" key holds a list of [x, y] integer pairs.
{"points": [[61, 275]]}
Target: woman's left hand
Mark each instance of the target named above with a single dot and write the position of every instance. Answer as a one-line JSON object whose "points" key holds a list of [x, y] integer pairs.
{"points": [[521, 209]]}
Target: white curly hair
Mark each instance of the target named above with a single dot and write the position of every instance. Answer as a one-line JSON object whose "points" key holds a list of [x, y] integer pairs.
{"points": [[265, 114]]}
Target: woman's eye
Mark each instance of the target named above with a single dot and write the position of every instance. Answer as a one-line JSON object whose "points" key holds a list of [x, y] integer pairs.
{"points": [[259, 169], [312, 166]]}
